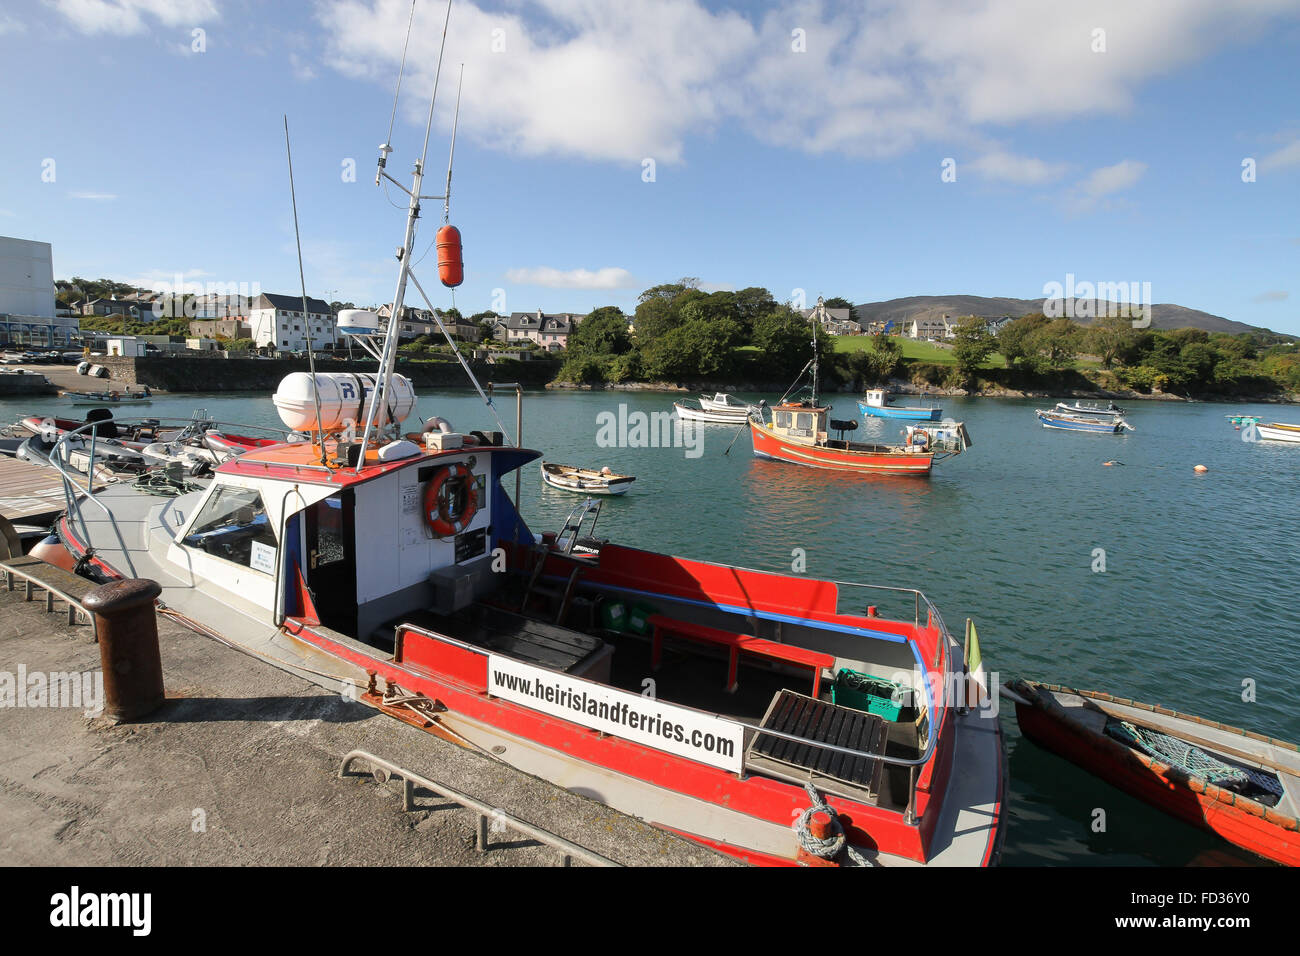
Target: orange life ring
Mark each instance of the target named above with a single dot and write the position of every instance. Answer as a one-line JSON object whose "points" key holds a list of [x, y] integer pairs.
{"points": [[449, 509]]}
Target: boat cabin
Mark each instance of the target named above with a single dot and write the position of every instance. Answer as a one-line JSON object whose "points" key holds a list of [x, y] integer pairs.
{"points": [[800, 421], [347, 549]]}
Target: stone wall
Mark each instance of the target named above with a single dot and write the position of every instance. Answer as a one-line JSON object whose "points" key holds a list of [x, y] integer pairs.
{"points": [[216, 374], [26, 384]]}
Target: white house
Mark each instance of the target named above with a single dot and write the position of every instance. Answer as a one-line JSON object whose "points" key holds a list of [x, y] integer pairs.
{"points": [[277, 321], [549, 330], [930, 328], [834, 321]]}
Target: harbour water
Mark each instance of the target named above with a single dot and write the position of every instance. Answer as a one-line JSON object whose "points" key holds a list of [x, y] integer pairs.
{"points": [[1142, 579]]}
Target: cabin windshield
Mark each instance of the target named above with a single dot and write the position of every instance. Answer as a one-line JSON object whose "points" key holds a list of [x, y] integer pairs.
{"points": [[233, 526], [803, 424]]}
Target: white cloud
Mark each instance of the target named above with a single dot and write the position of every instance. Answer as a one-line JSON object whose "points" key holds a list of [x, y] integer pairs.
{"points": [[622, 82], [1111, 179], [1093, 192], [9, 24], [1025, 170], [1273, 295], [97, 197], [1286, 156], [608, 278], [127, 17]]}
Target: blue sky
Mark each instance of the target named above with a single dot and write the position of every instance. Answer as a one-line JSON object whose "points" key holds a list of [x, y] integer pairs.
{"points": [[796, 146]]}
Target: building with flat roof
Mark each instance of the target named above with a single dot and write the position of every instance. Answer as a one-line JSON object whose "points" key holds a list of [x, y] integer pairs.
{"points": [[28, 315], [26, 277]]}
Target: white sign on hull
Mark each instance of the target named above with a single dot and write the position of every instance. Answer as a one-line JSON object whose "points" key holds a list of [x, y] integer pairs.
{"points": [[676, 730]]}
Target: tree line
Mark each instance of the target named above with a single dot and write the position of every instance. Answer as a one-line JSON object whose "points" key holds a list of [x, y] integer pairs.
{"points": [[679, 331], [1142, 359]]}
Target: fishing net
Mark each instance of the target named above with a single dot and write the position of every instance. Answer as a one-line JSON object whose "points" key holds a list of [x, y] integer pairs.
{"points": [[1195, 761]]}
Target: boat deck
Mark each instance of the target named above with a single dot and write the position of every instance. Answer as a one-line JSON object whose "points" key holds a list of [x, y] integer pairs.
{"points": [[145, 526]]}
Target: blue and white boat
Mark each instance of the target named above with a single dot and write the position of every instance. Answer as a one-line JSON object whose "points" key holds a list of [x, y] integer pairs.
{"points": [[1082, 423], [876, 404], [1112, 410]]}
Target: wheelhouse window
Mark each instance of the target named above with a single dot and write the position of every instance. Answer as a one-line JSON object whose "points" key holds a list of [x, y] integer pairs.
{"points": [[783, 419], [233, 525]]}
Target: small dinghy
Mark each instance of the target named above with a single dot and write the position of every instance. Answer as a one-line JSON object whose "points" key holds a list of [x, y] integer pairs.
{"points": [[108, 398], [718, 416], [1243, 786], [1110, 411], [113, 460], [585, 481], [1082, 423]]}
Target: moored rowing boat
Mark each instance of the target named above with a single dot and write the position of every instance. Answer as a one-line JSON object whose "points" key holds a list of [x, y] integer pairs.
{"points": [[1240, 785], [585, 481]]}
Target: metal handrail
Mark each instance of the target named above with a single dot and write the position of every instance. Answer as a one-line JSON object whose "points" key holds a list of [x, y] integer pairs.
{"points": [[899, 761], [484, 811], [58, 458]]}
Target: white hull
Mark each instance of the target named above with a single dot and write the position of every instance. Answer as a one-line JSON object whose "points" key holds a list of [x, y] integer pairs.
{"points": [[1279, 432], [712, 416], [587, 483]]}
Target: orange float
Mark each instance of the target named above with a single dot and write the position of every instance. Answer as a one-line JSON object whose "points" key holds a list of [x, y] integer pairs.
{"points": [[451, 265]]}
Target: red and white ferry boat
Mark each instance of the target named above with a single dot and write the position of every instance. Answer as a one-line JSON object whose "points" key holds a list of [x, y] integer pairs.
{"points": [[721, 703]]}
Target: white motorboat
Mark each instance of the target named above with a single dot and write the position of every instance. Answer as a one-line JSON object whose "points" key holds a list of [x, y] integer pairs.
{"points": [[735, 415]]}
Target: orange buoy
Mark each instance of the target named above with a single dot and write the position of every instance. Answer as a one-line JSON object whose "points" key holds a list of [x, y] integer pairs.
{"points": [[1200, 469], [451, 267]]}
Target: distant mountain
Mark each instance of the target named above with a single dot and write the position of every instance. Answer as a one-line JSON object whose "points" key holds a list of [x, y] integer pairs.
{"points": [[1163, 315]]}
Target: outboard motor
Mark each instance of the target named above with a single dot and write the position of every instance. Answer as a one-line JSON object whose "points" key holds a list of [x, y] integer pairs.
{"points": [[104, 417]]}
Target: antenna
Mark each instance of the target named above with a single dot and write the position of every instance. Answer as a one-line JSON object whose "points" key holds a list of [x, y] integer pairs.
{"points": [[306, 315], [455, 124], [386, 147], [377, 408]]}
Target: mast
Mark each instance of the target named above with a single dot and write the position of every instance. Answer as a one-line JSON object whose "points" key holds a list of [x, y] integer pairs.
{"points": [[816, 320], [377, 408]]}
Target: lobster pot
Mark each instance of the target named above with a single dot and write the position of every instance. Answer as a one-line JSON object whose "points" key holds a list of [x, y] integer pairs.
{"points": [[342, 396]]}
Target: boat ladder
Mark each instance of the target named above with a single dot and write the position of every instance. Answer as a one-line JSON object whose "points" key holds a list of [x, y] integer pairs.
{"points": [[572, 530], [487, 815]]}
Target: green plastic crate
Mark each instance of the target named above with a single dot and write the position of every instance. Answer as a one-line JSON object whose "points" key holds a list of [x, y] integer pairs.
{"points": [[613, 616], [638, 614], [875, 695]]}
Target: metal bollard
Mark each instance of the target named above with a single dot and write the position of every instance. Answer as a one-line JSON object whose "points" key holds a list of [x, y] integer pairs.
{"points": [[128, 647]]}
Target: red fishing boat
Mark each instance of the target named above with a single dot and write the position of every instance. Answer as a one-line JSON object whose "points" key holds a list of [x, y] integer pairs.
{"points": [[1240, 785], [775, 717], [799, 432]]}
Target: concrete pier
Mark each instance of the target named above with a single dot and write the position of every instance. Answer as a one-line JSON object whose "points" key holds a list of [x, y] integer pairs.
{"points": [[239, 767]]}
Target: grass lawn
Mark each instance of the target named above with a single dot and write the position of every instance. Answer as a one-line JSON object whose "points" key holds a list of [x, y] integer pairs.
{"points": [[913, 349]]}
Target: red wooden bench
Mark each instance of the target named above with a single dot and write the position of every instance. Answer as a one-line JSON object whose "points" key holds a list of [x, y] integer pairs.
{"points": [[736, 644]]}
